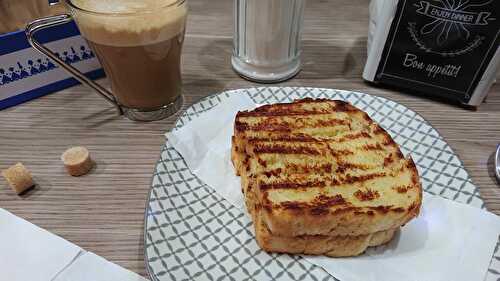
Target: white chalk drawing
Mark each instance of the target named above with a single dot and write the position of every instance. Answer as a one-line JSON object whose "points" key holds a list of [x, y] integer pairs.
{"points": [[445, 21]]}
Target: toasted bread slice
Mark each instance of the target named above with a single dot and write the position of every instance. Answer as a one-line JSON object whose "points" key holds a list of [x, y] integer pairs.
{"points": [[322, 167]]}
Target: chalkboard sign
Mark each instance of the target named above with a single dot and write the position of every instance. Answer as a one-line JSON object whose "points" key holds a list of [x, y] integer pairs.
{"points": [[442, 47]]}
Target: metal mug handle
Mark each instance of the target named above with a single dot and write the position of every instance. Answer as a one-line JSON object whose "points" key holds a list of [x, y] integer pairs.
{"points": [[43, 23]]}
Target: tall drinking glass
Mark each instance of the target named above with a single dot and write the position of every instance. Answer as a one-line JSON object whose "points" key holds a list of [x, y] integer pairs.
{"points": [[139, 45], [267, 33]]}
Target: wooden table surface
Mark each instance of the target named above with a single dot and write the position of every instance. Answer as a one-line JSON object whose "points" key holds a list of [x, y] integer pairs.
{"points": [[103, 211]]}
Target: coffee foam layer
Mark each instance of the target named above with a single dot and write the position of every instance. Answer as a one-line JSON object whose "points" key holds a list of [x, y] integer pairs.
{"points": [[129, 22]]}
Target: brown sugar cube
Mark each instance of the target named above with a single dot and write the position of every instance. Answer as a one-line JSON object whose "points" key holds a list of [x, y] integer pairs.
{"points": [[77, 161], [18, 177]]}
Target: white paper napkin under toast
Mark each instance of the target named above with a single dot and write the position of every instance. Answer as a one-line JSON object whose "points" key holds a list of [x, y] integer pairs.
{"points": [[29, 253], [448, 241]]}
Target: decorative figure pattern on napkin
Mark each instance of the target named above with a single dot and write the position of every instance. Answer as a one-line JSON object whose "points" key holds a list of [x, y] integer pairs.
{"points": [[41, 65]]}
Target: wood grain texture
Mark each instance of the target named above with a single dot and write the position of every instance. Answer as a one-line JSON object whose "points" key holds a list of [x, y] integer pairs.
{"points": [[103, 211]]}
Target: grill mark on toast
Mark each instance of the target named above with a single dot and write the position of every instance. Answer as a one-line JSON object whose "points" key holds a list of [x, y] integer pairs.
{"points": [[343, 167], [414, 207], [342, 106], [399, 154], [275, 173], [385, 209], [274, 148], [415, 179], [366, 195], [263, 127], [361, 213], [401, 169], [303, 169], [398, 210], [354, 136], [345, 210], [367, 117], [291, 185], [340, 152], [329, 102], [402, 188], [319, 206], [288, 183], [389, 141], [271, 107], [292, 109], [274, 124], [307, 138], [381, 209], [283, 113], [285, 138], [379, 130], [349, 179], [388, 160], [371, 147], [320, 100]]}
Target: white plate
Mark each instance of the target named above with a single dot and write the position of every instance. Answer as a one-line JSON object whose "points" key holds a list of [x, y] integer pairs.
{"points": [[191, 233]]}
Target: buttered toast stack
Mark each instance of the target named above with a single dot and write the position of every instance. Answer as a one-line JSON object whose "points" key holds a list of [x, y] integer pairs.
{"points": [[321, 177]]}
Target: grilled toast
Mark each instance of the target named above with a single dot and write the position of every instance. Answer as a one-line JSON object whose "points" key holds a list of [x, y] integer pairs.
{"points": [[323, 167]]}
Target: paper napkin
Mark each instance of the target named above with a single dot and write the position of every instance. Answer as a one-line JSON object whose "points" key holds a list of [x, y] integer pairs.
{"points": [[90, 267], [30, 253], [205, 144], [448, 241]]}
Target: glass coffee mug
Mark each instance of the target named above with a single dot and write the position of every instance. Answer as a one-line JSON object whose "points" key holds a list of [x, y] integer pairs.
{"points": [[139, 45]]}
